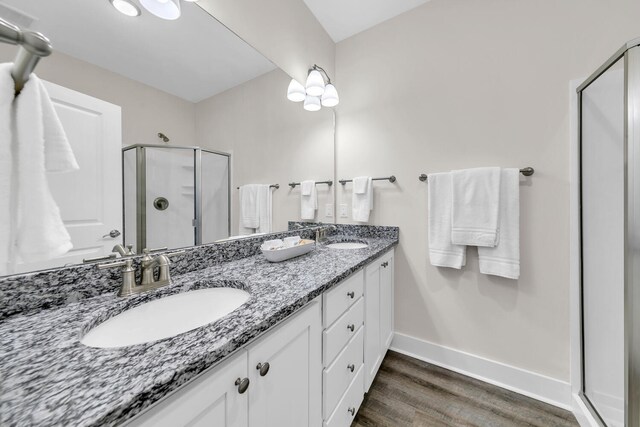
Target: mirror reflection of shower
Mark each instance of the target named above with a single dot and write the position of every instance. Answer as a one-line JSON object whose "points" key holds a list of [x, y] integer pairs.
{"points": [[174, 196]]}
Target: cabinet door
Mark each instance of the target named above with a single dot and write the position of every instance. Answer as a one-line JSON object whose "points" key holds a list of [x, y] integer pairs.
{"points": [[213, 399], [289, 392], [372, 340], [386, 302]]}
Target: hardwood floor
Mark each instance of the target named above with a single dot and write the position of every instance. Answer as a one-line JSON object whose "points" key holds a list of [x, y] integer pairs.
{"points": [[409, 392]]}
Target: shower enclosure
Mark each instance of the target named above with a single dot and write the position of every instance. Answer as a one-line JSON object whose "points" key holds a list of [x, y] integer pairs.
{"points": [[174, 196], [609, 141]]}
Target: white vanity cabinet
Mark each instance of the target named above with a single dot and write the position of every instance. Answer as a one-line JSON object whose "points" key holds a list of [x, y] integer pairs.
{"points": [[243, 392], [378, 318]]}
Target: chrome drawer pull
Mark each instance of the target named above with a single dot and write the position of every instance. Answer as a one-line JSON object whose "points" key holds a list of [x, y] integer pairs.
{"points": [[263, 368], [243, 385], [351, 327], [352, 411], [351, 294], [351, 367]]}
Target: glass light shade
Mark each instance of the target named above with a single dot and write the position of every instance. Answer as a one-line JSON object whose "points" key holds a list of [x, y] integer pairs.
{"points": [[295, 91], [315, 83], [312, 103], [330, 96], [169, 10], [125, 7]]}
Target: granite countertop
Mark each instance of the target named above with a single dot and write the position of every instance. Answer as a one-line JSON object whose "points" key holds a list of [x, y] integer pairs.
{"points": [[47, 377]]}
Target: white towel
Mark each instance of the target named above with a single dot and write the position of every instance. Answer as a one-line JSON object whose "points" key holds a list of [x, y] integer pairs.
{"points": [[474, 207], [264, 208], [442, 252], [309, 202], [41, 146], [362, 203], [306, 187], [6, 100], [249, 210], [504, 259]]}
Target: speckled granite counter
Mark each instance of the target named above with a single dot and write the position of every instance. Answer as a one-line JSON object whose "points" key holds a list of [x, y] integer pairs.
{"points": [[47, 377]]}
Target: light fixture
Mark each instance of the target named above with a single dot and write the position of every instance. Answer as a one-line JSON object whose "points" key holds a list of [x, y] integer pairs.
{"points": [[315, 83], [312, 103], [165, 9], [125, 7], [330, 96], [315, 94], [295, 91]]}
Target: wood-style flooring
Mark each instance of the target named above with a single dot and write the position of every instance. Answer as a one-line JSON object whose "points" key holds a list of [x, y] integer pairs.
{"points": [[409, 392]]}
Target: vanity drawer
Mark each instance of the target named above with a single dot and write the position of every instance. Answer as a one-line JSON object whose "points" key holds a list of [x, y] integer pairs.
{"points": [[338, 335], [349, 404], [337, 377], [339, 299]]}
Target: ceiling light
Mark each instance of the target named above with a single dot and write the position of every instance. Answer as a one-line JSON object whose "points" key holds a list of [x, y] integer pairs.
{"points": [[295, 91], [315, 83], [167, 9], [312, 103], [125, 7], [330, 96]]}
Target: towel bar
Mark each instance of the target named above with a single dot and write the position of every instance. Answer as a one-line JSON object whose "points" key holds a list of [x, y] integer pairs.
{"points": [[276, 186], [391, 178], [528, 171], [294, 184]]}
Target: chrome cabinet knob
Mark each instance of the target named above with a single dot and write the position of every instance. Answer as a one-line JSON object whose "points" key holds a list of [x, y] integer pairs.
{"points": [[113, 234], [243, 384], [263, 368], [351, 367], [351, 327], [351, 294], [352, 411]]}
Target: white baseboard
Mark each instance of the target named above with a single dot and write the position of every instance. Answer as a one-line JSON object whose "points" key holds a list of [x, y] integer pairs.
{"points": [[531, 384]]}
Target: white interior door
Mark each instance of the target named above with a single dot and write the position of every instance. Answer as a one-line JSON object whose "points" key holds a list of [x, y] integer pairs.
{"points": [[90, 199]]}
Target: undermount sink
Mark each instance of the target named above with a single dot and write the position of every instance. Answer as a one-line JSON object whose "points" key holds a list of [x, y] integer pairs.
{"points": [[347, 245], [165, 317]]}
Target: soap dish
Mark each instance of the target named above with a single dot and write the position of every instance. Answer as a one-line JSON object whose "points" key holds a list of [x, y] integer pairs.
{"points": [[283, 254]]}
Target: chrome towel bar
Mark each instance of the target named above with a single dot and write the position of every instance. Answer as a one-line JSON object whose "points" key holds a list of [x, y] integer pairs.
{"points": [[528, 171], [276, 186], [388, 178], [295, 184]]}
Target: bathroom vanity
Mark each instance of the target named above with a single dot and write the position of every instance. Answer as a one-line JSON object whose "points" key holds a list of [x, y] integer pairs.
{"points": [[301, 351]]}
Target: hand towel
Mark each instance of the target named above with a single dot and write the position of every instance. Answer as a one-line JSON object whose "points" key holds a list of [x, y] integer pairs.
{"points": [[249, 210], [6, 168], [41, 147], [362, 203], [504, 259], [264, 208], [442, 252], [306, 187], [474, 207], [308, 203]]}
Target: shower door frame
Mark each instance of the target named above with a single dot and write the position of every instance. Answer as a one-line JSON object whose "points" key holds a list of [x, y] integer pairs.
{"points": [[631, 54], [141, 186]]}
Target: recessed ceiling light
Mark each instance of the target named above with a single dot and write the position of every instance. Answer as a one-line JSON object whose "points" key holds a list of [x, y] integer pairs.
{"points": [[125, 7], [165, 9]]}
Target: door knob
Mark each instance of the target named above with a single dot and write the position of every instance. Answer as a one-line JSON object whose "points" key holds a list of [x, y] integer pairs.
{"points": [[113, 234], [243, 385], [263, 368]]}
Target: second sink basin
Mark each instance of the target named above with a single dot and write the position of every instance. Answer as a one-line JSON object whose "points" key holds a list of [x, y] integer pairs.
{"points": [[347, 245], [165, 317]]}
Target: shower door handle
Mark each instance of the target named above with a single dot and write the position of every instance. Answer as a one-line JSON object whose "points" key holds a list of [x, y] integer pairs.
{"points": [[113, 234]]}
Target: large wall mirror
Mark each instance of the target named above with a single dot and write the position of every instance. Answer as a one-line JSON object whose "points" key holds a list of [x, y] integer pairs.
{"points": [[166, 120]]}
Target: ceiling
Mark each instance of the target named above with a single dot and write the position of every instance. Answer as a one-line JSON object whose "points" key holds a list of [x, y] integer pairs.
{"points": [[345, 18], [194, 57]]}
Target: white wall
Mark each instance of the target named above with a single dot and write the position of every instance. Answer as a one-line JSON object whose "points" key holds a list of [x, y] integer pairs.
{"points": [[462, 83], [285, 31], [272, 140], [145, 110]]}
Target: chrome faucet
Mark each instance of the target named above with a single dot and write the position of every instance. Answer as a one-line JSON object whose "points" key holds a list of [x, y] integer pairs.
{"points": [[119, 248], [148, 264], [321, 233]]}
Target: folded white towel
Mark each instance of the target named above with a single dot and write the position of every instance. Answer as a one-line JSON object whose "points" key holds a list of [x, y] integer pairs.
{"points": [[291, 241], [442, 252], [309, 202], [504, 259], [474, 207], [41, 147], [249, 210], [360, 184], [6, 168], [362, 203], [269, 245], [306, 187], [264, 208]]}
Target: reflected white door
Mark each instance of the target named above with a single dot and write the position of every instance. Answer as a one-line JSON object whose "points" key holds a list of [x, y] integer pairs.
{"points": [[90, 199]]}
